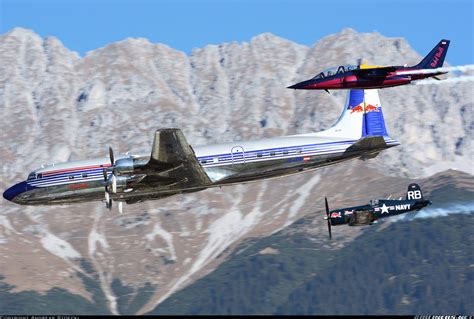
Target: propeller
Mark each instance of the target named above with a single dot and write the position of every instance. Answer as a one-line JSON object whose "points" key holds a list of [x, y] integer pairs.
{"points": [[111, 155], [110, 181], [328, 218]]}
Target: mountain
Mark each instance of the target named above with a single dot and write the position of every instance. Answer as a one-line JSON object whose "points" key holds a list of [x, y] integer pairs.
{"points": [[58, 106], [424, 266]]}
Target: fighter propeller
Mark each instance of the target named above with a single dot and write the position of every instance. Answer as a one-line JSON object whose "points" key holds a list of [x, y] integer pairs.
{"points": [[328, 217]]}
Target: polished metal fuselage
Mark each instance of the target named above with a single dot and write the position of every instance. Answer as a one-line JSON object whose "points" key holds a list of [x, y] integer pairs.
{"points": [[225, 164]]}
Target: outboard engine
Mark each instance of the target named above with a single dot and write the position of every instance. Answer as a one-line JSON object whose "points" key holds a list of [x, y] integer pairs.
{"points": [[124, 166]]}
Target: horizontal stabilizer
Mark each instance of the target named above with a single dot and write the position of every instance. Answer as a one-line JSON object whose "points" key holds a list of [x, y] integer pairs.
{"points": [[368, 143]]}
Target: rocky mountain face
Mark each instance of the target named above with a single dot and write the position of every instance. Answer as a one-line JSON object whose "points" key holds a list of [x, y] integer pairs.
{"points": [[57, 106]]}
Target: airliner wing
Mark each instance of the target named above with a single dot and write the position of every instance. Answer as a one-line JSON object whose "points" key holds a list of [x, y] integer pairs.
{"points": [[173, 165]]}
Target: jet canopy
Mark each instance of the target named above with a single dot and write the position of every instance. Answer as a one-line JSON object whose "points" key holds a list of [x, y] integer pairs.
{"points": [[335, 70]]}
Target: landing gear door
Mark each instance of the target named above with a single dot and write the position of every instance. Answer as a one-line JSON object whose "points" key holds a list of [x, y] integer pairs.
{"points": [[238, 155]]}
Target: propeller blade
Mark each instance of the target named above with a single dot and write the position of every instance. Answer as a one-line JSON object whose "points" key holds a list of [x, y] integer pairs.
{"points": [[114, 184], [120, 206], [111, 155], [108, 201], [328, 217], [104, 172]]}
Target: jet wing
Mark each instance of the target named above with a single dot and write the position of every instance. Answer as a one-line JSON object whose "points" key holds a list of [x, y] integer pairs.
{"points": [[173, 166], [374, 72]]}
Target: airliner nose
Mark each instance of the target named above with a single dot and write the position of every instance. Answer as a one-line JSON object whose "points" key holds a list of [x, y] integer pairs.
{"points": [[15, 190]]}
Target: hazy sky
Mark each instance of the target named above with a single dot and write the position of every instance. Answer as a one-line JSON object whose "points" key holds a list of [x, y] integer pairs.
{"points": [[89, 24]]}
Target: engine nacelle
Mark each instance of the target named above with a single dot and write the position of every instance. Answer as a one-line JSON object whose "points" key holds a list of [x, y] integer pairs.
{"points": [[124, 166]]}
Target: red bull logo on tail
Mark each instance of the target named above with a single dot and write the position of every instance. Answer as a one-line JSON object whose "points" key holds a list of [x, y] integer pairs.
{"points": [[368, 108], [371, 108], [437, 56], [357, 109]]}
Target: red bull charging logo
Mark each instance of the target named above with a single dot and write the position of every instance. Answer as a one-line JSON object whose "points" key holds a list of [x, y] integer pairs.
{"points": [[368, 108]]}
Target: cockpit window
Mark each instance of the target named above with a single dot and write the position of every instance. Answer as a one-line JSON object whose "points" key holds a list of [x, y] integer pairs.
{"points": [[31, 176], [335, 70]]}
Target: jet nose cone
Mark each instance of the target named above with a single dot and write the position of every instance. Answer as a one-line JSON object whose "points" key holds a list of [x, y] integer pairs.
{"points": [[297, 86], [14, 191], [308, 84]]}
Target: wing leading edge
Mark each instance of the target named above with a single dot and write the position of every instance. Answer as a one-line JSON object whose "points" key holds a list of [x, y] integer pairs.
{"points": [[173, 165]]}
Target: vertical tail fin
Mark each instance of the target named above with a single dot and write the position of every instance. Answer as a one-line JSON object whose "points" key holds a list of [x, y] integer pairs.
{"points": [[374, 123], [362, 116], [414, 192], [435, 58]]}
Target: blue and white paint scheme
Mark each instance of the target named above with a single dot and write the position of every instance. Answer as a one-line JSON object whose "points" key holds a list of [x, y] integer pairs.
{"points": [[175, 167]]}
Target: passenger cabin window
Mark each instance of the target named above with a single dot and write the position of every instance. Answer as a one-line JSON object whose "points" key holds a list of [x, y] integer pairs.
{"points": [[84, 175], [285, 152], [204, 161], [272, 153], [71, 176], [298, 151], [259, 155]]}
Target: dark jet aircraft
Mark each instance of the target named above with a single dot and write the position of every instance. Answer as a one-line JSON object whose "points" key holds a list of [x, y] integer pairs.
{"points": [[375, 209], [377, 77]]}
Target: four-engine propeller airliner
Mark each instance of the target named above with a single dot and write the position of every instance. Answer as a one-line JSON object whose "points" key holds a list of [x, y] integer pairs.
{"points": [[377, 77], [174, 167], [376, 209]]}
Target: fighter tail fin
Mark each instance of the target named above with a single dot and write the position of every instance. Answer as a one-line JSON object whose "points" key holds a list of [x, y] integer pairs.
{"points": [[435, 58], [414, 192]]}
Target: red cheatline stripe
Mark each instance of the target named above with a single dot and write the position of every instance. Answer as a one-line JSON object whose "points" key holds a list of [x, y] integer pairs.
{"points": [[75, 169]]}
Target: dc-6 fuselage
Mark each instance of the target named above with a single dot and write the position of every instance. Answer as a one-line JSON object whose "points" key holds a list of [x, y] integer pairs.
{"points": [[174, 167]]}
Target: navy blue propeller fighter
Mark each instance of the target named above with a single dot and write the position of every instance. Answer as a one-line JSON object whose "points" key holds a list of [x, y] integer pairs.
{"points": [[375, 209]]}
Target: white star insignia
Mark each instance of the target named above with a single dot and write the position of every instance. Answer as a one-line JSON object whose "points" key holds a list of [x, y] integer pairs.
{"points": [[384, 209]]}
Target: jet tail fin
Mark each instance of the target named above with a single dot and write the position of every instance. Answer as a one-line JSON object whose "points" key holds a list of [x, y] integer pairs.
{"points": [[435, 58], [414, 192]]}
